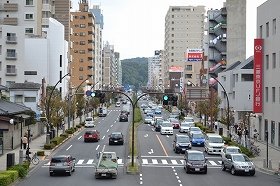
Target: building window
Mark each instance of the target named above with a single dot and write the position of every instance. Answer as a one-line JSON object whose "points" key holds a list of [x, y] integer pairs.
{"points": [[189, 67], [29, 16], [29, 31], [30, 99], [81, 78], [273, 60], [82, 51], [261, 31], [82, 33], [29, 2], [267, 61], [273, 26], [18, 98], [46, 14], [82, 42], [82, 17], [11, 69], [81, 69], [247, 77], [82, 26], [45, 1], [267, 29], [189, 76], [266, 94], [273, 94], [30, 72], [11, 53], [279, 134], [81, 60], [272, 139]]}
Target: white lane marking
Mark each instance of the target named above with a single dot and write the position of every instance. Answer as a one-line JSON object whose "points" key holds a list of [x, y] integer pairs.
{"points": [[212, 162], [103, 137], [111, 126], [182, 161], [144, 161], [68, 147], [80, 137], [97, 147], [103, 148], [220, 162], [151, 152], [154, 161], [80, 162], [164, 162], [146, 135], [90, 161], [115, 121], [108, 130], [174, 162]]}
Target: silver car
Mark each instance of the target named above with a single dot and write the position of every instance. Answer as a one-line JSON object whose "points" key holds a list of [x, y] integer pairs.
{"points": [[238, 163], [62, 164]]}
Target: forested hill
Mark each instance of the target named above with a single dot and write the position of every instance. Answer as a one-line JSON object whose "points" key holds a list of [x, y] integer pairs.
{"points": [[135, 71]]}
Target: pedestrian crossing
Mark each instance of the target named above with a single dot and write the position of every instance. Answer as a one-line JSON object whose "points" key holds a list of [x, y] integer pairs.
{"points": [[146, 162]]}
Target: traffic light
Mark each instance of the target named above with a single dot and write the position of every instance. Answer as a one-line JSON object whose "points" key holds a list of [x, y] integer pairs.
{"points": [[174, 100], [94, 93], [165, 99]]}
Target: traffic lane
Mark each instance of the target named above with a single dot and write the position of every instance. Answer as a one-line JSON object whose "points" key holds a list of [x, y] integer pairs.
{"points": [[217, 177], [163, 176], [149, 141]]}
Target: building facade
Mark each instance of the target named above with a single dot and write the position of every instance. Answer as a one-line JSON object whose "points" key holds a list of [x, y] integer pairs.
{"points": [[155, 75]]}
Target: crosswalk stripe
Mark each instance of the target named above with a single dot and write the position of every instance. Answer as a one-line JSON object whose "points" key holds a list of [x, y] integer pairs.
{"points": [[220, 162], [90, 161], [48, 164], [80, 162], [174, 162], [164, 162], [182, 161], [154, 161], [144, 161], [212, 162]]}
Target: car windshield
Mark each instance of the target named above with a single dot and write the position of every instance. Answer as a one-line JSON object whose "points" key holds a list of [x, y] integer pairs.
{"points": [[189, 120], [59, 160], [196, 157], [195, 129], [215, 140], [89, 119], [166, 124], [183, 139], [116, 135], [233, 150], [240, 158], [198, 136]]}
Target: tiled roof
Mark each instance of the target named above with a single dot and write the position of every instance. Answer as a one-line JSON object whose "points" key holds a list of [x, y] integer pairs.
{"points": [[3, 87], [25, 85], [10, 108]]}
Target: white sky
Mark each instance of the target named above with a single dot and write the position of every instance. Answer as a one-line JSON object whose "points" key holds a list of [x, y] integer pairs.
{"points": [[136, 27]]}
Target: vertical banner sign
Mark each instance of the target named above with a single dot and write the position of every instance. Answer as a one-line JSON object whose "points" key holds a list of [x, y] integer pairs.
{"points": [[258, 75]]}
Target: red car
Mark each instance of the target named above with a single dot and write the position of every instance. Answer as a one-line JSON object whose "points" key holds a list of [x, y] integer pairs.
{"points": [[175, 123], [91, 135]]}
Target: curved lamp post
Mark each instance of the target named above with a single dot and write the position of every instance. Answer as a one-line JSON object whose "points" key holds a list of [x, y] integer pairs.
{"points": [[49, 100], [190, 83], [228, 131]]}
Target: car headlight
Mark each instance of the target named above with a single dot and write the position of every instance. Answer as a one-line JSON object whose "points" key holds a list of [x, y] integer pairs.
{"points": [[177, 145], [238, 166]]}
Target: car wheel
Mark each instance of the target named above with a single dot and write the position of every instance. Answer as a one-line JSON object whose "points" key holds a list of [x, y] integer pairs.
{"points": [[205, 172], [69, 173], [188, 170], [51, 173], [232, 171], [223, 167], [73, 169], [252, 173]]}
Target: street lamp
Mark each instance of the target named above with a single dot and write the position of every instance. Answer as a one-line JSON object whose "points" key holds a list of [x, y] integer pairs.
{"points": [[225, 92], [189, 83], [12, 123], [49, 100]]}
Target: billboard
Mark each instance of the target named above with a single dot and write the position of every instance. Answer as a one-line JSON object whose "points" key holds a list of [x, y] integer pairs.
{"points": [[258, 75], [176, 69], [194, 55]]}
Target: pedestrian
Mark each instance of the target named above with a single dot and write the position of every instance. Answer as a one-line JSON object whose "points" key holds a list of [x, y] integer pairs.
{"points": [[24, 141], [235, 127], [255, 135]]}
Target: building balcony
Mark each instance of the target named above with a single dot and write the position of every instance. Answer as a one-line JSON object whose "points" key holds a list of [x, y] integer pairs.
{"points": [[11, 56], [9, 21], [9, 7], [11, 40]]}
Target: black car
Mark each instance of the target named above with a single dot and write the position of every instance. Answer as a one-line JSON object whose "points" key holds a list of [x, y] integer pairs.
{"points": [[116, 138], [181, 143], [158, 125], [195, 161], [123, 117]]}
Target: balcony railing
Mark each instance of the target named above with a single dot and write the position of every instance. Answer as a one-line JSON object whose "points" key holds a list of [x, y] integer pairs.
{"points": [[11, 39], [11, 56], [11, 72], [9, 7]]}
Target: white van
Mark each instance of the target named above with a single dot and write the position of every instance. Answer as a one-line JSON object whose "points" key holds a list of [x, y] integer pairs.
{"points": [[89, 122], [214, 143], [102, 112]]}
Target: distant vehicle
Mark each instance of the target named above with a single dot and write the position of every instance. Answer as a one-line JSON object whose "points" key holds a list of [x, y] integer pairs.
{"points": [[89, 122], [123, 117], [158, 124], [157, 111], [116, 138], [103, 112], [118, 104], [230, 150], [185, 126], [238, 163], [181, 143], [166, 128], [62, 164], [194, 129], [126, 108], [148, 120], [175, 123], [214, 143], [91, 135], [195, 161], [107, 165], [197, 139]]}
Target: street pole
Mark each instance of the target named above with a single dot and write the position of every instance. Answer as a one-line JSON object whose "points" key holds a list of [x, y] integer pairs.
{"points": [[266, 135]]}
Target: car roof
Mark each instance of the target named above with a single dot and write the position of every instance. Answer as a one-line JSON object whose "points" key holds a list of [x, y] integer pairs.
{"points": [[213, 135], [116, 133], [232, 147], [60, 156], [194, 151], [182, 135]]}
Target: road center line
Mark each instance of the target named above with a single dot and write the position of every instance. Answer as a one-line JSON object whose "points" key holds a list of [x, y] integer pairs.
{"points": [[111, 126], [80, 137], [97, 147], [103, 137], [108, 130], [68, 147], [165, 152]]}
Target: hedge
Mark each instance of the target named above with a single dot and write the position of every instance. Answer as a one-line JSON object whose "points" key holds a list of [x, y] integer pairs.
{"points": [[65, 135], [57, 140], [13, 174], [22, 171], [49, 146], [41, 153], [5, 179]]}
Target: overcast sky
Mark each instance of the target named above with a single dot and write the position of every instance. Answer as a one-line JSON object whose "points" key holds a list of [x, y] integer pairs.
{"points": [[136, 27]]}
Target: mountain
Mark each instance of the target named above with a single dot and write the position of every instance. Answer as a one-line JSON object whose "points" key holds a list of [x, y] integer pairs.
{"points": [[135, 71]]}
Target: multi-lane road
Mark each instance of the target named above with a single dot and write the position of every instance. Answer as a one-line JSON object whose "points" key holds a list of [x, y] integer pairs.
{"points": [[160, 165]]}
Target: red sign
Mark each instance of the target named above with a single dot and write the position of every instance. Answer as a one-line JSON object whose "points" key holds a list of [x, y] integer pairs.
{"points": [[194, 55], [258, 76]]}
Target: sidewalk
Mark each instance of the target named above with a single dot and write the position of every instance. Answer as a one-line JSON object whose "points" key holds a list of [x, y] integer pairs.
{"points": [[35, 145], [261, 160]]}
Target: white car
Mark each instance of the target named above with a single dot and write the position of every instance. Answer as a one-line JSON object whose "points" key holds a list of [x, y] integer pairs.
{"points": [[185, 126], [118, 104], [166, 128], [89, 122], [214, 143], [148, 120]]}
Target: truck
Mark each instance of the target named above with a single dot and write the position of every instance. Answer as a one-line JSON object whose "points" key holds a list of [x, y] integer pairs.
{"points": [[107, 166]]}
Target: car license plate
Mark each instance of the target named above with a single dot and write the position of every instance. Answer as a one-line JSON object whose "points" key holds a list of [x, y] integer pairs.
{"points": [[246, 170], [90, 136], [183, 149], [197, 169], [198, 143], [115, 141], [103, 174]]}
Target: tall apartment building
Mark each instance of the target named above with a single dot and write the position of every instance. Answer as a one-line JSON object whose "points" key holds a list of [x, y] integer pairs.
{"points": [[155, 75], [109, 66], [184, 29], [268, 26], [226, 35], [119, 69], [82, 46]]}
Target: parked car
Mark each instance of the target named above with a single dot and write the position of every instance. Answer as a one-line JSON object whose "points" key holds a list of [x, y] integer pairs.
{"points": [[62, 164], [197, 139], [175, 123], [116, 138], [238, 163], [195, 161], [181, 143], [89, 122], [123, 117], [91, 135], [230, 150], [214, 143]]}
